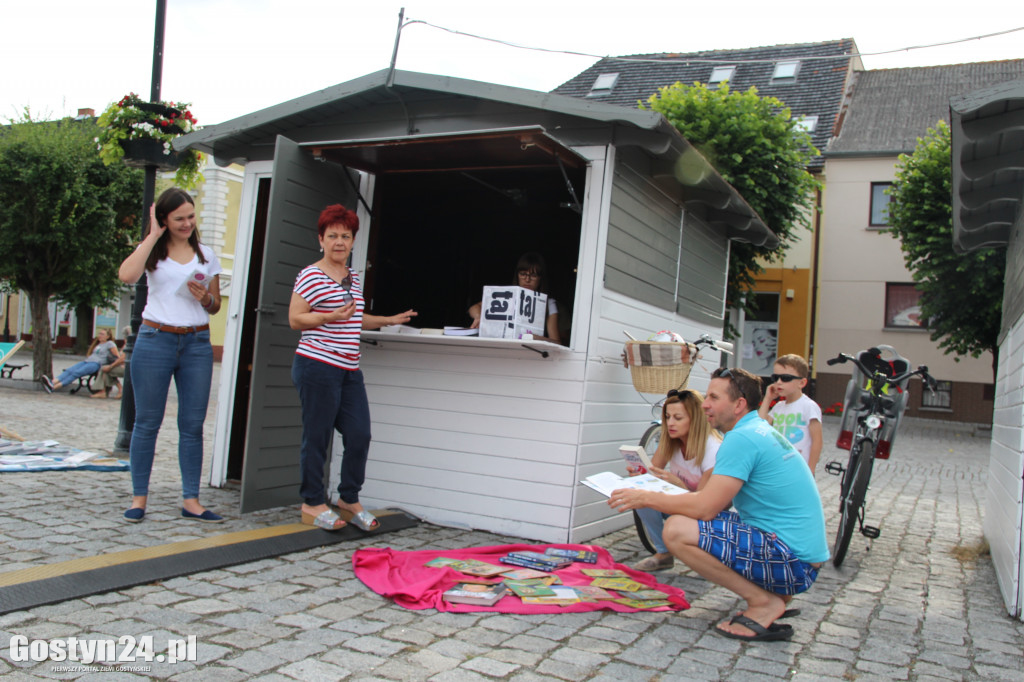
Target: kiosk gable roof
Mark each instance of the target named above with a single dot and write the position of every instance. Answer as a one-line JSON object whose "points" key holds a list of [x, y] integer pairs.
{"points": [[407, 106], [373, 89]]}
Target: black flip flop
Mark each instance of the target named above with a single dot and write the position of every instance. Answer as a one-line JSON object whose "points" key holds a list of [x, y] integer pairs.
{"points": [[788, 613], [773, 633]]}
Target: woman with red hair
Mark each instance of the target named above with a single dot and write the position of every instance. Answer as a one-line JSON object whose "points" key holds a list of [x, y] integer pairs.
{"points": [[327, 305]]}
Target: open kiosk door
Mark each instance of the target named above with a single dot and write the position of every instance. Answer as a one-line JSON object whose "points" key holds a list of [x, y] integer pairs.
{"points": [[301, 188]]}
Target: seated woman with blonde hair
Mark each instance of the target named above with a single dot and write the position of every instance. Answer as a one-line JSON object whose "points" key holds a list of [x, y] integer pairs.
{"points": [[685, 457]]}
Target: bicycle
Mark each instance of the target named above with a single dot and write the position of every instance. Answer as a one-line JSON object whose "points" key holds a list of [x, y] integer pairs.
{"points": [[871, 416], [661, 382]]}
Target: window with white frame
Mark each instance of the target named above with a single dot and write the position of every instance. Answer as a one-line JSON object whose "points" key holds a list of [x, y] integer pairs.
{"points": [[786, 71], [721, 73], [879, 204], [903, 306]]}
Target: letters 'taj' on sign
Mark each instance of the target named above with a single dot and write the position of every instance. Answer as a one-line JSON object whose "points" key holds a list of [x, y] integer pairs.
{"points": [[508, 312]]}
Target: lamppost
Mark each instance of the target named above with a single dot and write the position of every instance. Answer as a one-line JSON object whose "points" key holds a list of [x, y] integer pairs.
{"points": [[123, 441], [7, 319]]}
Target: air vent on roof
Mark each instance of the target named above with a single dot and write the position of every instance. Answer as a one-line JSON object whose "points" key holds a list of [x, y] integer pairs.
{"points": [[603, 84]]}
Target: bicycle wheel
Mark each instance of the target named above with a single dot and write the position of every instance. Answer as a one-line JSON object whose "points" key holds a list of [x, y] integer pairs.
{"points": [[855, 483], [652, 436], [649, 442]]}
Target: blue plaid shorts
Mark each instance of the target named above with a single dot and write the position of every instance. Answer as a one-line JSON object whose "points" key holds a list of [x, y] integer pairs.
{"points": [[758, 556]]}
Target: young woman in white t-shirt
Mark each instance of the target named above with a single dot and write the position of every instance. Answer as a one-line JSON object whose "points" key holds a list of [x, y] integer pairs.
{"points": [[173, 343], [685, 457]]}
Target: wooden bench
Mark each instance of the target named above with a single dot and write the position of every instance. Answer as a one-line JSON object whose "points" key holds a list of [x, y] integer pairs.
{"points": [[8, 370]]}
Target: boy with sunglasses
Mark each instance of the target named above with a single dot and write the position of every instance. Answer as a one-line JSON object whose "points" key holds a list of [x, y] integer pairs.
{"points": [[792, 413]]}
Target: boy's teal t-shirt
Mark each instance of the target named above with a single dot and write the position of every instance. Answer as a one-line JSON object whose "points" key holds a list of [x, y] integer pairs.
{"points": [[778, 494]]}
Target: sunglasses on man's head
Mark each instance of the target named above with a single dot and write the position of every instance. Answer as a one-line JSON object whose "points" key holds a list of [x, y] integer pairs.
{"points": [[786, 378]]}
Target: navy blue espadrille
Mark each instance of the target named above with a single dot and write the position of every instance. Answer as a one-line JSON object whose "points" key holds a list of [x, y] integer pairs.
{"points": [[134, 515], [206, 517]]}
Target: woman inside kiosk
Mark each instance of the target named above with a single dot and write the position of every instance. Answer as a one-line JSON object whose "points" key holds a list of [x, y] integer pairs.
{"points": [[530, 273]]}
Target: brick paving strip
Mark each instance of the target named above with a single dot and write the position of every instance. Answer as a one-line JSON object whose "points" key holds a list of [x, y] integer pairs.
{"points": [[907, 609]]}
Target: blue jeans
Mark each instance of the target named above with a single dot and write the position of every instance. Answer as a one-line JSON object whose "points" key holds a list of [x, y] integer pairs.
{"points": [[333, 399], [654, 523], [77, 371], [159, 356]]}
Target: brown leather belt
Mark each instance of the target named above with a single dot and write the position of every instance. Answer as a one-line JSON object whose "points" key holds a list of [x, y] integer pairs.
{"points": [[176, 330]]}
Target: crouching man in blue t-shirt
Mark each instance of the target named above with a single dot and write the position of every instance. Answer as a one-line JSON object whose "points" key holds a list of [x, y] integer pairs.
{"points": [[773, 544]]}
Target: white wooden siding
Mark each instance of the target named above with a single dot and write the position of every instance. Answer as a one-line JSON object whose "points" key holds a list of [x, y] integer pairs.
{"points": [[486, 438], [1005, 500]]}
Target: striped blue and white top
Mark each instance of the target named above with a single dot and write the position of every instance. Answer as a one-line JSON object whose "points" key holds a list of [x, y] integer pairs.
{"points": [[335, 343]]}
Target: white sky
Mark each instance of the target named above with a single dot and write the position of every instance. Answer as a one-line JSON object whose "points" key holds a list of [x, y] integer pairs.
{"points": [[233, 57]]}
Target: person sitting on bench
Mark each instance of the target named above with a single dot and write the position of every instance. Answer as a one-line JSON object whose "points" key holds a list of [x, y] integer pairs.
{"points": [[102, 347], [110, 375]]}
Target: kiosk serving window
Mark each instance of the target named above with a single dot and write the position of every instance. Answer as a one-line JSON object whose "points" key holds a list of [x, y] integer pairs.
{"points": [[453, 214]]}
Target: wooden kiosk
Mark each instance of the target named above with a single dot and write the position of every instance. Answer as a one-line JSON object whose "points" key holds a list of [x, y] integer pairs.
{"points": [[453, 180]]}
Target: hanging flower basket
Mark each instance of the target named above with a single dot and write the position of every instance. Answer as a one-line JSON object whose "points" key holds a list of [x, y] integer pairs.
{"points": [[140, 134], [144, 152]]}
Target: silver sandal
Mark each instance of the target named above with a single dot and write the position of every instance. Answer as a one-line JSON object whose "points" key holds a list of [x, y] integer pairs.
{"points": [[365, 521], [328, 520]]}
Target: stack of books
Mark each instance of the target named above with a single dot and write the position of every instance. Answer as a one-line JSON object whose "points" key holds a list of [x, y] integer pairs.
{"points": [[475, 593], [541, 562]]}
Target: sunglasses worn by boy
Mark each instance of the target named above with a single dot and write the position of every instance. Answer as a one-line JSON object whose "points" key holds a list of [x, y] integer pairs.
{"points": [[785, 378]]}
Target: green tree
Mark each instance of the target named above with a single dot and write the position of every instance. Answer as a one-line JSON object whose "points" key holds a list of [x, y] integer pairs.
{"points": [[961, 294], [66, 219], [757, 147]]}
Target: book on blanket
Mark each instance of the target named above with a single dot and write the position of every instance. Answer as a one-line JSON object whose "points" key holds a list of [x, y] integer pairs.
{"points": [[606, 482], [469, 566], [473, 593], [542, 562], [636, 458], [574, 554]]}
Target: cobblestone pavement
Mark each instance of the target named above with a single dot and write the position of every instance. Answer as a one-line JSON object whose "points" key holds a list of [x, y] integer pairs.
{"points": [[902, 607]]}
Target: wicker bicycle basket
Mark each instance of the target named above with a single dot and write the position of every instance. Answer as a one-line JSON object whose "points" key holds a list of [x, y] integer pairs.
{"points": [[659, 366]]}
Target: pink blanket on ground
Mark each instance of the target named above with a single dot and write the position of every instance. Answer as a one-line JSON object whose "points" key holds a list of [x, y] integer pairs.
{"points": [[403, 577]]}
